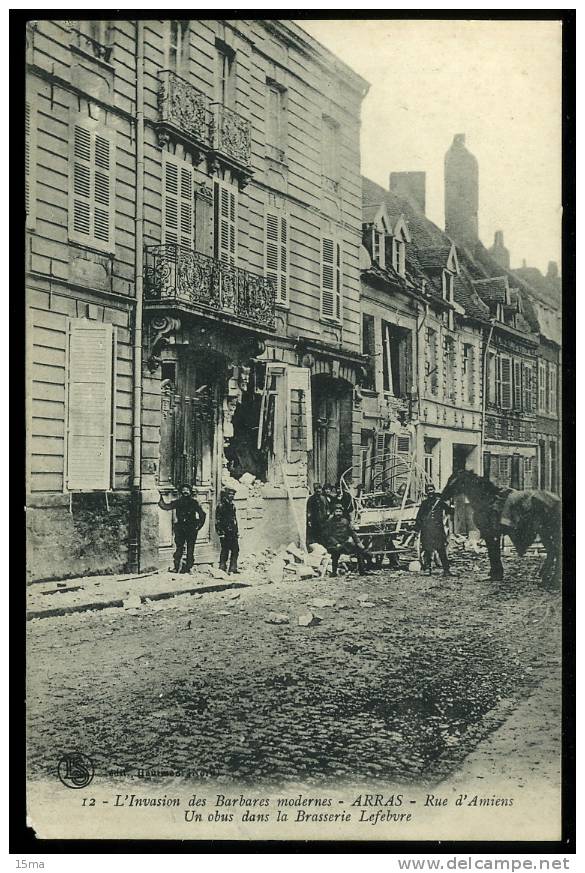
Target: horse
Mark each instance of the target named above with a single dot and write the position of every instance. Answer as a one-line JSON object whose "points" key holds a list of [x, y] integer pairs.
{"points": [[521, 515]]}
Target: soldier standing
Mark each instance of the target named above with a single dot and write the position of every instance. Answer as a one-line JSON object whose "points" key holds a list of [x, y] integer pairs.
{"points": [[226, 526], [190, 520], [430, 521]]}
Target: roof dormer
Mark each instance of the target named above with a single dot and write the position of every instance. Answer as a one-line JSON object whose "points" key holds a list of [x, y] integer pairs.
{"points": [[376, 225], [453, 261], [400, 236]]}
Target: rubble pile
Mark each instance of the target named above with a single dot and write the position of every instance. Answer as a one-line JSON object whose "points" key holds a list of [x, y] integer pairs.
{"points": [[287, 562]]}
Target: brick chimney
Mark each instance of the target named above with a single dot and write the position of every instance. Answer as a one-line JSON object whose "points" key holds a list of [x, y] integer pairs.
{"points": [[499, 252], [461, 193], [411, 186]]}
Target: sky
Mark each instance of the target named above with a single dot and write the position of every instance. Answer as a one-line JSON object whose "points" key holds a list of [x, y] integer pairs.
{"points": [[498, 82]]}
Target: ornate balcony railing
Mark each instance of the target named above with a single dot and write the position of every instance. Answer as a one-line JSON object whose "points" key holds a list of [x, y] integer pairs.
{"points": [[178, 274], [183, 108], [231, 135]]}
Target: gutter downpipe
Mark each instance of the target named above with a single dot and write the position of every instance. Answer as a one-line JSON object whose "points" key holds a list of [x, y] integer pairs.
{"points": [[484, 393], [139, 290]]}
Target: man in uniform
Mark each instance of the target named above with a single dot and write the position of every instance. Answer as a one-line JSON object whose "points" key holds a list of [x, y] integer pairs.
{"points": [[317, 512], [226, 526], [430, 521], [341, 538], [190, 519]]}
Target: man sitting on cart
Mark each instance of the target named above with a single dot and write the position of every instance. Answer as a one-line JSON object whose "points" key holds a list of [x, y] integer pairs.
{"points": [[341, 538]]}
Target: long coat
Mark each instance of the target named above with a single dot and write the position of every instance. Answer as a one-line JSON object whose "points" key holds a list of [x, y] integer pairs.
{"points": [[430, 521]]}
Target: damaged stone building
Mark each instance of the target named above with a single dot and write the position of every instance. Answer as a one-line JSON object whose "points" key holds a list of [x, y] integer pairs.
{"points": [[193, 244]]}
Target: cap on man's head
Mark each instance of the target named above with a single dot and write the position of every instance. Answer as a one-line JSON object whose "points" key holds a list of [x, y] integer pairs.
{"points": [[229, 490], [186, 485], [430, 487]]}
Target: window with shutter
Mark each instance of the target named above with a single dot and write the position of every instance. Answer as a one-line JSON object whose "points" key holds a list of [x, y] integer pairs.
{"points": [[528, 387], [91, 191], [518, 385], [89, 406], [276, 254], [505, 382], [177, 204], [30, 121], [330, 279], [369, 348], [542, 386], [299, 411], [226, 210], [552, 380]]}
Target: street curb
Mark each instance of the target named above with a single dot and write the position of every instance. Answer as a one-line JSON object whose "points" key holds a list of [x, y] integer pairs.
{"points": [[118, 602]]}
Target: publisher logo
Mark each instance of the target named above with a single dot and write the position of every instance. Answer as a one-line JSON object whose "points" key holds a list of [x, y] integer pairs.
{"points": [[75, 770]]}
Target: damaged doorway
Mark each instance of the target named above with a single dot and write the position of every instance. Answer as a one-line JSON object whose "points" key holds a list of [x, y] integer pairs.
{"points": [[189, 400], [332, 428]]}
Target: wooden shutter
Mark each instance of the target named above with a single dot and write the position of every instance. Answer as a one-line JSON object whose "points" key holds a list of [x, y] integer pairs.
{"points": [[330, 279], [518, 385], [177, 206], [528, 387], [505, 382], [552, 380], [89, 407], [379, 463], [299, 410], [30, 122], [91, 213], [276, 254], [225, 223]]}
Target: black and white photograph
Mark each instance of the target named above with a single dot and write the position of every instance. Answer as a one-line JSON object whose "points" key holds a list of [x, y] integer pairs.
{"points": [[294, 392]]}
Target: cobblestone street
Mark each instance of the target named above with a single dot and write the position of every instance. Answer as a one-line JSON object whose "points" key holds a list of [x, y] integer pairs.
{"points": [[401, 679]]}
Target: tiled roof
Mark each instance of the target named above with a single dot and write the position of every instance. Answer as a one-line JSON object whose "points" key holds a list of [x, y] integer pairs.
{"points": [[494, 289], [369, 213]]}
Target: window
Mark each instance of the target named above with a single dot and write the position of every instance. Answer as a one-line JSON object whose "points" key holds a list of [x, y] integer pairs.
{"points": [[224, 74], [542, 386], [300, 414], [330, 150], [542, 483], [225, 222], [553, 465], [330, 279], [276, 130], [552, 388], [518, 385], [448, 286], [30, 121], [468, 373], [378, 247], [177, 47], [89, 406], [431, 362], [276, 254], [369, 348], [449, 358], [177, 202], [492, 379], [528, 388], [91, 187], [399, 256], [505, 382], [396, 348]]}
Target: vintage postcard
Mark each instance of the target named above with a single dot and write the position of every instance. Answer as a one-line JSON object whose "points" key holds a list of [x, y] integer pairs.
{"points": [[294, 389]]}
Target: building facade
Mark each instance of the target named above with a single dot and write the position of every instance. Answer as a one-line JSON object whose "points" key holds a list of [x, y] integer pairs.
{"points": [[193, 240]]}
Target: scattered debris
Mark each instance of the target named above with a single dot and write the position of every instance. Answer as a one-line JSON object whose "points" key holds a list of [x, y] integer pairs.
{"points": [[234, 596], [322, 602], [414, 567], [132, 602], [308, 619], [367, 603], [217, 573], [276, 618]]}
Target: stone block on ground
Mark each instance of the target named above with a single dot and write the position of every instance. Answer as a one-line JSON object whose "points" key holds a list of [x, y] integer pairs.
{"points": [[297, 554], [133, 602], [317, 549], [303, 572], [275, 570], [414, 567], [308, 619], [277, 618], [322, 602]]}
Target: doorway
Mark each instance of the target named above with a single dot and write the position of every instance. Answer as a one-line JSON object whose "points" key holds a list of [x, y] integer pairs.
{"points": [[332, 428]]}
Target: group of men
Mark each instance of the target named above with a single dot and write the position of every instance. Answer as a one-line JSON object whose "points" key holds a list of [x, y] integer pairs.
{"points": [[328, 523]]}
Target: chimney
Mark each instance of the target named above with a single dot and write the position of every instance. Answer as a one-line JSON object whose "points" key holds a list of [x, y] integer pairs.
{"points": [[411, 186], [499, 252], [553, 270], [461, 193]]}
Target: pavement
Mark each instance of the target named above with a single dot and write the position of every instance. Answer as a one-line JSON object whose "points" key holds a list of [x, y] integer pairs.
{"points": [[394, 676], [55, 598]]}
